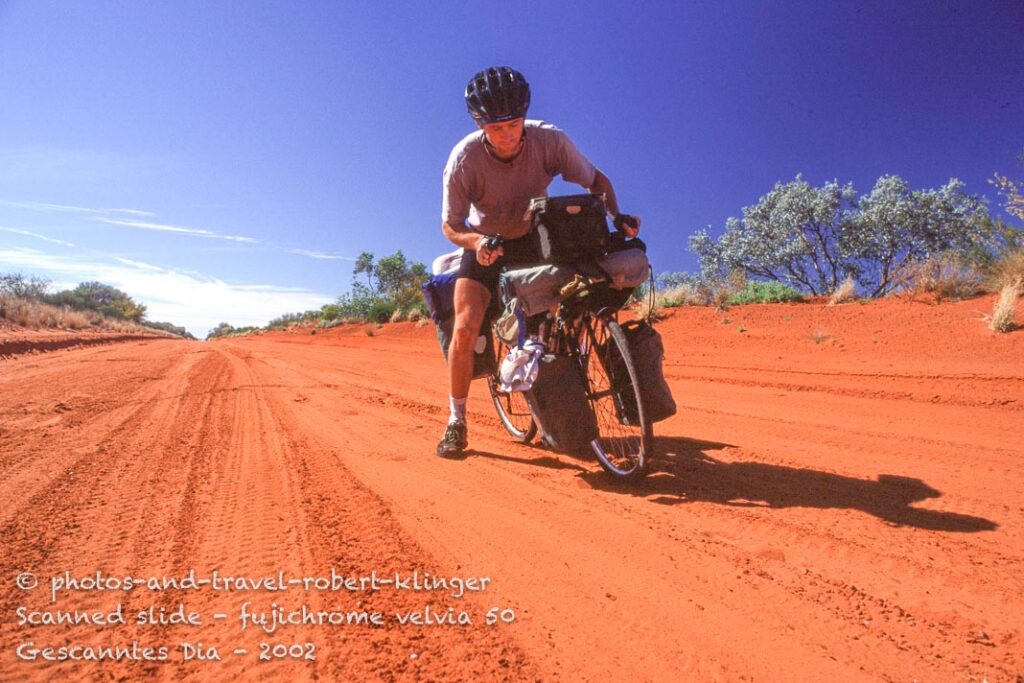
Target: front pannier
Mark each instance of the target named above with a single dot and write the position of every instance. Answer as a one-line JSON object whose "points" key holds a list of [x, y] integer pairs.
{"points": [[570, 229], [439, 292], [559, 404], [648, 353]]}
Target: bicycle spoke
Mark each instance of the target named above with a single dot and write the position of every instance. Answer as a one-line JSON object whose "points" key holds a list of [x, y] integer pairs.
{"points": [[621, 446]]}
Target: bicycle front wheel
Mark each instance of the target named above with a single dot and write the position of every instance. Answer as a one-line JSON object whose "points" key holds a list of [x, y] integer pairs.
{"points": [[513, 410], [624, 445]]}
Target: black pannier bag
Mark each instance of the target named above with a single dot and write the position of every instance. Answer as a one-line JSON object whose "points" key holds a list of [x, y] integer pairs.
{"points": [[558, 400], [648, 353], [570, 229], [439, 293]]}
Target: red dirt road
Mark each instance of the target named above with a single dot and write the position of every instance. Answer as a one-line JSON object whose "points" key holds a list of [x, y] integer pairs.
{"points": [[840, 497]]}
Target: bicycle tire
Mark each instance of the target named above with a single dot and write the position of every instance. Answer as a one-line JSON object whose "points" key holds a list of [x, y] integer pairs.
{"points": [[624, 446], [512, 407]]}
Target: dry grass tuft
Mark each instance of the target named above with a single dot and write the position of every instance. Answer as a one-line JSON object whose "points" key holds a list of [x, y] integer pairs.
{"points": [[422, 322], [819, 336], [845, 293], [943, 276], [34, 315], [649, 310], [1009, 269], [1002, 318], [414, 315], [397, 316]]}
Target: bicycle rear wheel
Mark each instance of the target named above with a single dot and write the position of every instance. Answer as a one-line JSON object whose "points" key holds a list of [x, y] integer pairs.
{"points": [[513, 410], [624, 445]]}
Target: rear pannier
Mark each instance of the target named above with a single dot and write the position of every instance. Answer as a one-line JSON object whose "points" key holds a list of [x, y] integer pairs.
{"points": [[439, 293]]}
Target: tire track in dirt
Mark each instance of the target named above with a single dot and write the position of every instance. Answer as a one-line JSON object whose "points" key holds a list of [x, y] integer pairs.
{"points": [[360, 396], [797, 523], [834, 594]]}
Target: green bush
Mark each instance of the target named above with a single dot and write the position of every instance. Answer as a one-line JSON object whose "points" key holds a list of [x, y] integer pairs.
{"points": [[761, 292], [381, 310]]}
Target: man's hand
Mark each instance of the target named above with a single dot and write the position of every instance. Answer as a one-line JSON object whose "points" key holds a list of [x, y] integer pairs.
{"points": [[485, 256], [627, 224]]}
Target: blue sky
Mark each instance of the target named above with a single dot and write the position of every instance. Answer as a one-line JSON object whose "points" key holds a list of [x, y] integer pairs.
{"points": [[227, 161]]}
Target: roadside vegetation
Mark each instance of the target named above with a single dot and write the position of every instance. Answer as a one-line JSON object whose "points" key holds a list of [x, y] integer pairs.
{"points": [[799, 241], [26, 300], [384, 290]]}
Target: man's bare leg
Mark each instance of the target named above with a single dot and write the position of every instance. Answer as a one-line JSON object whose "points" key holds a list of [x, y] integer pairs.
{"points": [[471, 301]]}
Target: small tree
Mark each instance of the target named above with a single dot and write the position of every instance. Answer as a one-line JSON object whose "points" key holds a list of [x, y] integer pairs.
{"points": [[814, 238], [221, 330], [793, 234], [23, 286], [897, 227], [1012, 191], [364, 264]]}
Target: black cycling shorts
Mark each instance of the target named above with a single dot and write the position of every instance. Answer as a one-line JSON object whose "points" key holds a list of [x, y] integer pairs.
{"points": [[521, 251]]}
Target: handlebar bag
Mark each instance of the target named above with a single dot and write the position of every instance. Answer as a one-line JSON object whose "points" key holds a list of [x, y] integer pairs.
{"points": [[558, 401], [570, 229]]}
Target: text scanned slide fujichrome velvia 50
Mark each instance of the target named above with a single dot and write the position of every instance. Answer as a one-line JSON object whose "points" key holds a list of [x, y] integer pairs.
{"points": [[214, 616]]}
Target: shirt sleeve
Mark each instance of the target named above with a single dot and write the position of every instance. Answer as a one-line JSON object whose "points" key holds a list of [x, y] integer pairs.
{"points": [[575, 167], [454, 197]]}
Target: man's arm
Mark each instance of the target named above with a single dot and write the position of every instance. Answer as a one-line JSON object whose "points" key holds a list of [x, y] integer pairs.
{"points": [[473, 241], [602, 185], [461, 236]]}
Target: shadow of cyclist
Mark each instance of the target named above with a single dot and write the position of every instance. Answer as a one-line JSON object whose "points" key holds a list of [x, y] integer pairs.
{"points": [[547, 461], [689, 474]]}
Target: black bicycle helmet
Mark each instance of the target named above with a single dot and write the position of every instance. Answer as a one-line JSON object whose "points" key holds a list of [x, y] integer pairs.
{"points": [[499, 93]]}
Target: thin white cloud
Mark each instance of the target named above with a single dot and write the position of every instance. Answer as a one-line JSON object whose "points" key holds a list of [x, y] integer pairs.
{"points": [[17, 231], [312, 253], [111, 217], [163, 227], [199, 303], [67, 208]]}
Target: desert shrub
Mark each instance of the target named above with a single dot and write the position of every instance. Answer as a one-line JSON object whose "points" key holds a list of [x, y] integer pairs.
{"points": [[680, 295], [844, 293], [23, 286], [689, 289], [1012, 192], [761, 292], [398, 316], [944, 276], [285, 321], [415, 315], [813, 238], [73, 320], [380, 311], [170, 328], [221, 330]]}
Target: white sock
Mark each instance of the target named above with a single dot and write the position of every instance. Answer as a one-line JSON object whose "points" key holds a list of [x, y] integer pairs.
{"points": [[458, 409]]}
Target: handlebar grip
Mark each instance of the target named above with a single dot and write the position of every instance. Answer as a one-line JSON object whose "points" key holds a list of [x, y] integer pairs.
{"points": [[623, 219], [493, 242]]}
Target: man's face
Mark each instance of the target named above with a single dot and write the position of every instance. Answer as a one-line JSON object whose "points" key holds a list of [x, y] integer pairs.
{"points": [[504, 136]]}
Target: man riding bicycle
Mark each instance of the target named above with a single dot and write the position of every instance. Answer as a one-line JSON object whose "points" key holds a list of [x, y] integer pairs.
{"points": [[489, 180]]}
